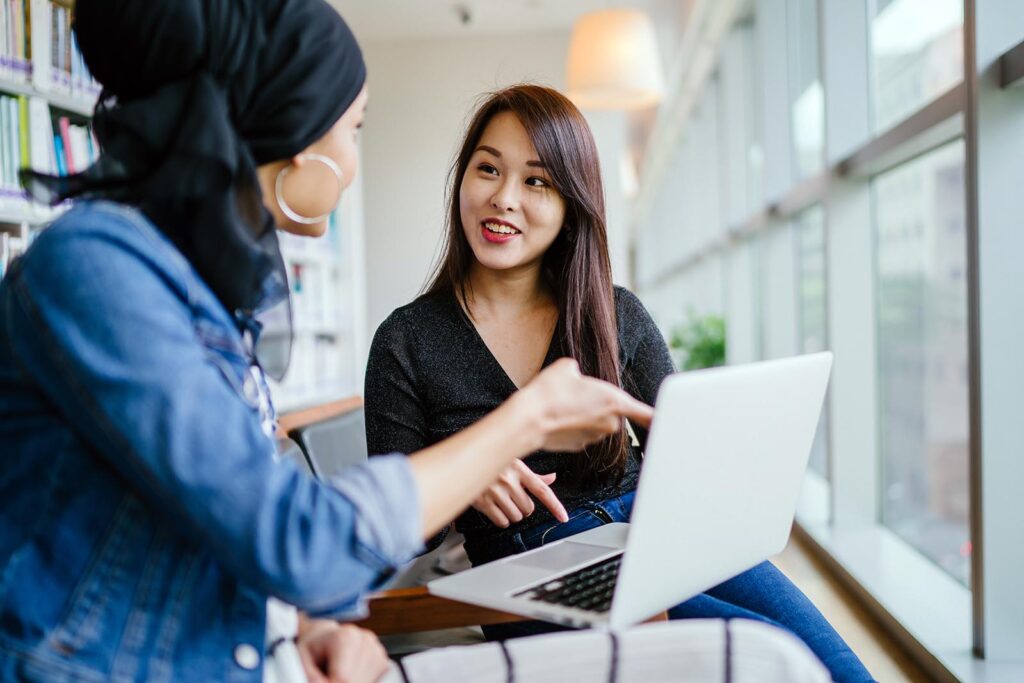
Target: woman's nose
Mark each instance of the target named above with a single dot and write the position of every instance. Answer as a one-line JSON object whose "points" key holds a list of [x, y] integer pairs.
{"points": [[505, 197]]}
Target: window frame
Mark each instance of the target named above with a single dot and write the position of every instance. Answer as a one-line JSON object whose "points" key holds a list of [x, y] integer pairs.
{"points": [[986, 112]]}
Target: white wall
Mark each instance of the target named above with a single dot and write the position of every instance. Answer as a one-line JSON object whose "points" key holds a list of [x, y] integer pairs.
{"points": [[421, 95], [610, 130]]}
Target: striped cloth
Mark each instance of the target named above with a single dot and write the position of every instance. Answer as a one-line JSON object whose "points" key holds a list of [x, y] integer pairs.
{"points": [[701, 651]]}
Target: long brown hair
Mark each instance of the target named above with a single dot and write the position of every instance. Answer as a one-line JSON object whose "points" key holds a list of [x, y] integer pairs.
{"points": [[576, 266]]}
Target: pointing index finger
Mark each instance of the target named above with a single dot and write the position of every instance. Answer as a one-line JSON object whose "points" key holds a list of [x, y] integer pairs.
{"points": [[635, 410], [546, 496]]}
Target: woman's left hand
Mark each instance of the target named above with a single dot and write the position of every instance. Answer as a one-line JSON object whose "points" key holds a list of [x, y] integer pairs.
{"points": [[508, 501], [340, 653]]}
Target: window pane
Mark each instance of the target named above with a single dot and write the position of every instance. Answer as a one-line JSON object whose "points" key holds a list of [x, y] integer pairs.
{"points": [[811, 283], [917, 54], [922, 355], [751, 127], [740, 166], [807, 97], [777, 282]]}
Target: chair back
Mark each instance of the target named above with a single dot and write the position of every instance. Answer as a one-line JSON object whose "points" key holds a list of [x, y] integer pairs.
{"points": [[288, 449], [332, 436]]}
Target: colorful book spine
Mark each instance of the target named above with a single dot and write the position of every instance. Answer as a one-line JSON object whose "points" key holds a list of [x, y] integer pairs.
{"points": [[12, 149], [14, 18], [5, 253], [13, 132], [39, 48], [5, 61], [38, 45], [58, 146], [68, 43], [65, 138], [5, 151], [23, 139], [40, 136], [56, 47], [26, 13], [18, 34], [80, 157]]}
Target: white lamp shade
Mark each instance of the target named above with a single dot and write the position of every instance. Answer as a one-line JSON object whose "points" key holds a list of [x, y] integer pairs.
{"points": [[613, 61]]}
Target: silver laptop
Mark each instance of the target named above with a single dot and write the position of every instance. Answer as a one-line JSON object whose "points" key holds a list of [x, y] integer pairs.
{"points": [[722, 471]]}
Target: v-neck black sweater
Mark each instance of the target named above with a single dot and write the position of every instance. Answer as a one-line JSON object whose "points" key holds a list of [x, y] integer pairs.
{"points": [[430, 374]]}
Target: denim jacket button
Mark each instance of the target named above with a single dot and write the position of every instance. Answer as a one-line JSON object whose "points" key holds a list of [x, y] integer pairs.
{"points": [[249, 388], [247, 657]]}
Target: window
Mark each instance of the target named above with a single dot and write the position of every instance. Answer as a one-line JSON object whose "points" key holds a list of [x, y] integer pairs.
{"points": [[812, 311], [859, 238], [922, 353], [776, 252], [916, 55], [739, 110], [807, 96]]}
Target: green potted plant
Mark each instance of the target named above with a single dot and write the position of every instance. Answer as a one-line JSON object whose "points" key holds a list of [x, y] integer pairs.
{"points": [[700, 343]]}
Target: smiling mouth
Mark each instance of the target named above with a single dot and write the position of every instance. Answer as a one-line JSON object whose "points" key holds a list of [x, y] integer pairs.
{"points": [[500, 229]]}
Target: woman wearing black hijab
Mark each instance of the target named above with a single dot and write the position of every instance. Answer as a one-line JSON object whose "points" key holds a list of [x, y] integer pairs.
{"points": [[145, 523]]}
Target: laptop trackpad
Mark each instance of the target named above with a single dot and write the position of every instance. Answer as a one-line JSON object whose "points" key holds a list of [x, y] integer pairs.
{"points": [[562, 555]]}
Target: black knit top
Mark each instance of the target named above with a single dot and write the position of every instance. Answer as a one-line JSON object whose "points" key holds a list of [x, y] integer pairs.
{"points": [[430, 375]]}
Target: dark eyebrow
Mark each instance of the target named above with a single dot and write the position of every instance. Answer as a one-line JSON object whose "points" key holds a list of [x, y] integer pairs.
{"points": [[491, 150]]}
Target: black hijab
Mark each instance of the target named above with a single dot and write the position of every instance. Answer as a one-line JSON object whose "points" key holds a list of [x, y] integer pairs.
{"points": [[196, 93]]}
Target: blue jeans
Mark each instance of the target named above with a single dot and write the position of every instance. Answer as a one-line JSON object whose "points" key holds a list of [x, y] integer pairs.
{"points": [[763, 593]]}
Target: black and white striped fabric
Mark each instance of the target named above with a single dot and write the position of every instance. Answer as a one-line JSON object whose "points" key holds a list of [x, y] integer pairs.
{"points": [[711, 651]]}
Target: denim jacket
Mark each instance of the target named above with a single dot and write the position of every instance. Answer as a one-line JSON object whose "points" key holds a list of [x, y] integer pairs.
{"points": [[143, 519]]}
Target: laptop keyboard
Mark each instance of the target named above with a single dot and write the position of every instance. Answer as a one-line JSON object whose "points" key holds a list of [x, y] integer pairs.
{"points": [[589, 588]]}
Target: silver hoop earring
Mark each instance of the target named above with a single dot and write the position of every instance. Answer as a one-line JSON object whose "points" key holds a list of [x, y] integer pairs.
{"points": [[292, 213]]}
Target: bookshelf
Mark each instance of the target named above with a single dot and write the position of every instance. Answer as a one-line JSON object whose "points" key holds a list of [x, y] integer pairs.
{"points": [[46, 102], [327, 283]]}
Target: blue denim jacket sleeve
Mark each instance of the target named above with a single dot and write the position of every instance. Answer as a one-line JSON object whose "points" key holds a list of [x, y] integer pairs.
{"points": [[102, 324]]}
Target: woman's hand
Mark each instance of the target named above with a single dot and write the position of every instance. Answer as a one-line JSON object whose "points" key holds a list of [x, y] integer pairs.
{"points": [[340, 653], [574, 411], [560, 410], [507, 501]]}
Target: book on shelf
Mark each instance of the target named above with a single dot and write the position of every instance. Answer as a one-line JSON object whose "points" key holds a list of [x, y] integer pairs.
{"points": [[5, 253], [42, 154], [31, 137], [10, 145], [319, 279], [37, 46], [15, 64], [315, 297], [42, 76]]}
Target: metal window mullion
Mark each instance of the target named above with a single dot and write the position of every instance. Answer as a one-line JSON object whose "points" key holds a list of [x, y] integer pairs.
{"points": [[845, 60], [931, 126], [853, 463], [776, 138], [994, 174]]}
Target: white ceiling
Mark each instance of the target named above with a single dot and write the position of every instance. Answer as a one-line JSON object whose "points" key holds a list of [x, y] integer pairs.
{"points": [[384, 19]]}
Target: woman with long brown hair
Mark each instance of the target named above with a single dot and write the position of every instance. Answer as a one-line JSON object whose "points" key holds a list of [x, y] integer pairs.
{"points": [[525, 279]]}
